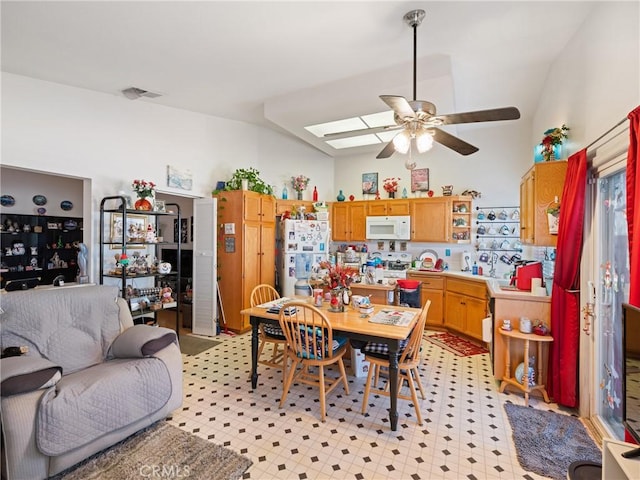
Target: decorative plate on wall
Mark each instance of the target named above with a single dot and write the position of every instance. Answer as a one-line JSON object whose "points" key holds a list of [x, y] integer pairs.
{"points": [[39, 200], [66, 205], [7, 201], [41, 211]]}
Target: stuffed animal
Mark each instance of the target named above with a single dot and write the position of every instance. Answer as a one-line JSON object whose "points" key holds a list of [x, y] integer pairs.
{"points": [[165, 293]]}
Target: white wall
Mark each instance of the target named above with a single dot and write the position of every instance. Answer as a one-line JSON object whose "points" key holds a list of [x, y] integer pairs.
{"points": [[596, 80], [111, 140]]}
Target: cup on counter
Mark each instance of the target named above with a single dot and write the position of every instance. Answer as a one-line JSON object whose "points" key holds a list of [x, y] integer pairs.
{"points": [[317, 296], [535, 283]]}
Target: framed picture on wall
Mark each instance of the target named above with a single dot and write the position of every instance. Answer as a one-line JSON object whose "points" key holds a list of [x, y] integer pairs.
{"points": [[191, 229], [420, 180], [370, 183]]}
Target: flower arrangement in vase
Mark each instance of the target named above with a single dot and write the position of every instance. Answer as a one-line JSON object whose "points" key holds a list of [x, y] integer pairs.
{"points": [[143, 190], [391, 185], [553, 137], [300, 184], [338, 279]]}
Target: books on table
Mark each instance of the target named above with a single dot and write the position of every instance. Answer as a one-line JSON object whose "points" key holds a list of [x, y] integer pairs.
{"points": [[388, 316], [274, 306]]}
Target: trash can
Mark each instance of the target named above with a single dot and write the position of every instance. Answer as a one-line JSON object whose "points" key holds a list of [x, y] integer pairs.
{"points": [[409, 293]]}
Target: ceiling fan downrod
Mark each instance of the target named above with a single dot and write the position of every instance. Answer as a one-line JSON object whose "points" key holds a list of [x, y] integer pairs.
{"points": [[414, 19]]}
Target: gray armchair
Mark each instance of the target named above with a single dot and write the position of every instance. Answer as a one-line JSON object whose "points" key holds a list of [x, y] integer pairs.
{"points": [[90, 377]]}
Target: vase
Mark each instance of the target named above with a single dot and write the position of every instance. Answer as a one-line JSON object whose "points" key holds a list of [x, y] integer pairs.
{"points": [[300, 195], [340, 196], [143, 204], [392, 194]]}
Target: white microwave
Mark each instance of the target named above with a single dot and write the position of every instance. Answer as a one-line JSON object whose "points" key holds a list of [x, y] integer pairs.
{"points": [[397, 227]]}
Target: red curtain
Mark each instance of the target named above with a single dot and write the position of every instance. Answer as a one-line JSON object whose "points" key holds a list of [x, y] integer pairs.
{"points": [[565, 300], [633, 206]]}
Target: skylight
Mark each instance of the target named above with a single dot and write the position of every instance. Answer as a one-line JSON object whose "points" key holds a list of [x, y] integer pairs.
{"points": [[371, 120]]}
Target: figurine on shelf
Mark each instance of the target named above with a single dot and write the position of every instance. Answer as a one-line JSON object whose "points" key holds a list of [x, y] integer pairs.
{"points": [[166, 295], [151, 236]]}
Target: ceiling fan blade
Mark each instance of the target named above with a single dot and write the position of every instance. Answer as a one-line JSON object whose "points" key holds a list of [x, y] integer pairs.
{"points": [[361, 131], [387, 151], [492, 115], [399, 105], [454, 143]]}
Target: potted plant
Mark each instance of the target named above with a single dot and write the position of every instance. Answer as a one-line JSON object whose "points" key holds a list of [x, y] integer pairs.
{"points": [[251, 178], [552, 138]]}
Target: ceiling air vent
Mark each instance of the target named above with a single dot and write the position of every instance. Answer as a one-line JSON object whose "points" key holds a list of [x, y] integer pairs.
{"points": [[133, 93]]}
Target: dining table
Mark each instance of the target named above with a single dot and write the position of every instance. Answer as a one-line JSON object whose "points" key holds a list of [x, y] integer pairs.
{"points": [[354, 325]]}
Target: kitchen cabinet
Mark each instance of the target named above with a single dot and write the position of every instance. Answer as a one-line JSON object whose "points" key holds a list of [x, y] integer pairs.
{"points": [[124, 230], [432, 288], [348, 221], [465, 306], [39, 246], [388, 207], [283, 206], [540, 187], [430, 219], [246, 250], [460, 219]]}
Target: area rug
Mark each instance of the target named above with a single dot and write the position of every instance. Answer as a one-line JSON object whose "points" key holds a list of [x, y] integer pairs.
{"points": [[190, 345], [457, 345], [548, 442], [161, 451]]}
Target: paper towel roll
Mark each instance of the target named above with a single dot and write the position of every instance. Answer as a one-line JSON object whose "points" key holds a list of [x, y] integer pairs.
{"points": [[535, 283], [487, 329]]}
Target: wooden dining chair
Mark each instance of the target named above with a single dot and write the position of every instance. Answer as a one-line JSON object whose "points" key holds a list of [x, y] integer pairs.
{"points": [[311, 345], [409, 361], [269, 334]]}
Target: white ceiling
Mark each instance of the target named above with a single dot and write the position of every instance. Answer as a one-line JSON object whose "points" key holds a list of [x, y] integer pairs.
{"points": [[289, 64]]}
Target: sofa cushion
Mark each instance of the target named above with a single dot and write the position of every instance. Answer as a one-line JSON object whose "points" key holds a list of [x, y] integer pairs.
{"points": [[24, 374], [71, 327], [142, 341], [99, 400]]}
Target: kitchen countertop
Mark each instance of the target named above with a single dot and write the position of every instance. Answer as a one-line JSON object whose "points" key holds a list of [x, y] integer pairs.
{"points": [[493, 285], [374, 286]]}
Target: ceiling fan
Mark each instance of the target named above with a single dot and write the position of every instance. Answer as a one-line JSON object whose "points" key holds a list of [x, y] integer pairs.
{"points": [[417, 119]]}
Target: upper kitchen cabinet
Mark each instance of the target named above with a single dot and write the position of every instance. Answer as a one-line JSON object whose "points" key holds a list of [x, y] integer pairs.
{"points": [[430, 219], [388, 207], [541, 187], [283, 206], [348, 221]]}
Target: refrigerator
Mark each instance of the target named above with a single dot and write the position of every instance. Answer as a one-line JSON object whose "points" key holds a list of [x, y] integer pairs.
{"points": [[302, 245]]}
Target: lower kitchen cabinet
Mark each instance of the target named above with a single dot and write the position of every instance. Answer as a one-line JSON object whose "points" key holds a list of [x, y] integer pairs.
{"points": [[432, 289], [465, 306]]}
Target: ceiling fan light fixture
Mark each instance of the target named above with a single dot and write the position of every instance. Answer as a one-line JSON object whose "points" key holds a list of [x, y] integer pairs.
{"points": [[402, 142], [424, 141]]}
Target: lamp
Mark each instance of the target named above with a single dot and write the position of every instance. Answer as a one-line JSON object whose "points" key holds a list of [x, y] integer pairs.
{"points": [[424, 140], [402, 142]]}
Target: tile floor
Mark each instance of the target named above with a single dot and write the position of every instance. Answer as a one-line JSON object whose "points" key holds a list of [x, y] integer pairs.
{"points": [[466, 434]]}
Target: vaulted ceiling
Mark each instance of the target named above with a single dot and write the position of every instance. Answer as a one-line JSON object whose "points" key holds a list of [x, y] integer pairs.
{"points": [[288, 64]]}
